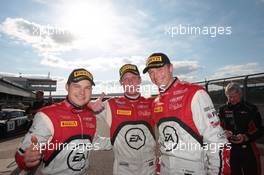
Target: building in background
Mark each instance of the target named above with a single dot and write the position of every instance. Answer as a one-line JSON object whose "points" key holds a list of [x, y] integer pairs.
{"points": [[20, 92]]}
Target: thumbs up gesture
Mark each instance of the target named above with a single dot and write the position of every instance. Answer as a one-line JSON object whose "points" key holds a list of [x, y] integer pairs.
{"points": [[32, 154], [97, 105]]}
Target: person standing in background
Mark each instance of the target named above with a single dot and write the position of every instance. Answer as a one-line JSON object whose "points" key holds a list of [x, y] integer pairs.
{"points": [[242, 123]]}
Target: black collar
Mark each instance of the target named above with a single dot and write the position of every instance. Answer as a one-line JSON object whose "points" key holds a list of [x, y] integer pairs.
{"points": [[163, 91], [74, 105]]}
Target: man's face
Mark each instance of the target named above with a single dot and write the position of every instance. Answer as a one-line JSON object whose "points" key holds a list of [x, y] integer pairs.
{"points": [[161, 76], [233, 97], [79, 93], [131, 83]]}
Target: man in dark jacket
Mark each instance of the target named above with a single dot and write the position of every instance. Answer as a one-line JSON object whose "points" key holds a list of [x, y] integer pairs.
{"points": [[242, 123]]}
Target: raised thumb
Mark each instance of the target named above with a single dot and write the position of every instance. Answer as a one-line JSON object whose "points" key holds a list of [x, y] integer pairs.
{"points": [[34, 140], [101, 96]]}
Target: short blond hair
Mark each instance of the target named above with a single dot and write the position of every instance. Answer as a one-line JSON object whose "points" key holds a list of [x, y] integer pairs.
{"points": [[233, 87]]}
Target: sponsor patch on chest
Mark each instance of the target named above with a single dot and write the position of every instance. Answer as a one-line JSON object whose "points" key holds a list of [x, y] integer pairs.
{"points": [[123, 112], [176, 99], [68, 123], [158, 109]]}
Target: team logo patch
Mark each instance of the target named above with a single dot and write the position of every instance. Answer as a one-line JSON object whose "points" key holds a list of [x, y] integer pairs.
{"points": [[123, 112], [158, 109], [77, 159], [170, 138], [135, 138], [68, 123]]}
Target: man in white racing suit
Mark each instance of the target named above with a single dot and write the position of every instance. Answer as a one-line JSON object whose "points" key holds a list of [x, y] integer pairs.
{"points": [[131, 126], [62, 135], [191, 139]]}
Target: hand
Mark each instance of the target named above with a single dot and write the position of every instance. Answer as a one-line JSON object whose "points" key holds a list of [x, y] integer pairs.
{"points": [[228, 133], [97, 105], [239, 138], [32, 154]]}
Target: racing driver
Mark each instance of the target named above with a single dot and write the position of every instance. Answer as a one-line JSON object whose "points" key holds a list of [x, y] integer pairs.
{"points": [[62, 135], [131, 126], [190, 137]]}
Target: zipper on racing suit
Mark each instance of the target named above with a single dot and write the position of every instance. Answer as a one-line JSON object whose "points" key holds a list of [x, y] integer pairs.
{"points": [[79, 117]]}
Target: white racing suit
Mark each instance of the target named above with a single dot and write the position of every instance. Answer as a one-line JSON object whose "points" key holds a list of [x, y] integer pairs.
{"points": [[190, 137], [132, 137], [66, 136]]}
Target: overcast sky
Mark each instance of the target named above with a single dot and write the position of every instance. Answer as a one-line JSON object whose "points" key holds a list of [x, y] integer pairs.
{"points": [[205, 39]]}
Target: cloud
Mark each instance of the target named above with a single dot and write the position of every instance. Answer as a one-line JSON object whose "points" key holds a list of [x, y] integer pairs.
{"points": [[92, 63], [55, 61], [113, 40], [40, 37], [237, 70], [185, 67], [118, 40]]}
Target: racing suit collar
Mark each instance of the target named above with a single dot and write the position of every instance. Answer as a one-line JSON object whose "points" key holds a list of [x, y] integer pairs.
{"points": [[236, 105], [75, 108], [163, 91], [132, 97]]}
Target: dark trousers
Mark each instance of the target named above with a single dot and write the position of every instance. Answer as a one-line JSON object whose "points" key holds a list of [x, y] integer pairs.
{"points": [[244, 160]]}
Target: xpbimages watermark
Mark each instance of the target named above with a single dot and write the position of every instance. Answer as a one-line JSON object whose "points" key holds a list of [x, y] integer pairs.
{"points": [[49, 30], [182, 146], [66, 146], [211, 31], [144, 89]]}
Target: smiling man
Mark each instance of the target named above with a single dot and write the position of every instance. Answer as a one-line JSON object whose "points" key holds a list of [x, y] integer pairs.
{"points": [[131, 126], [191, 139], [62, 135]]}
